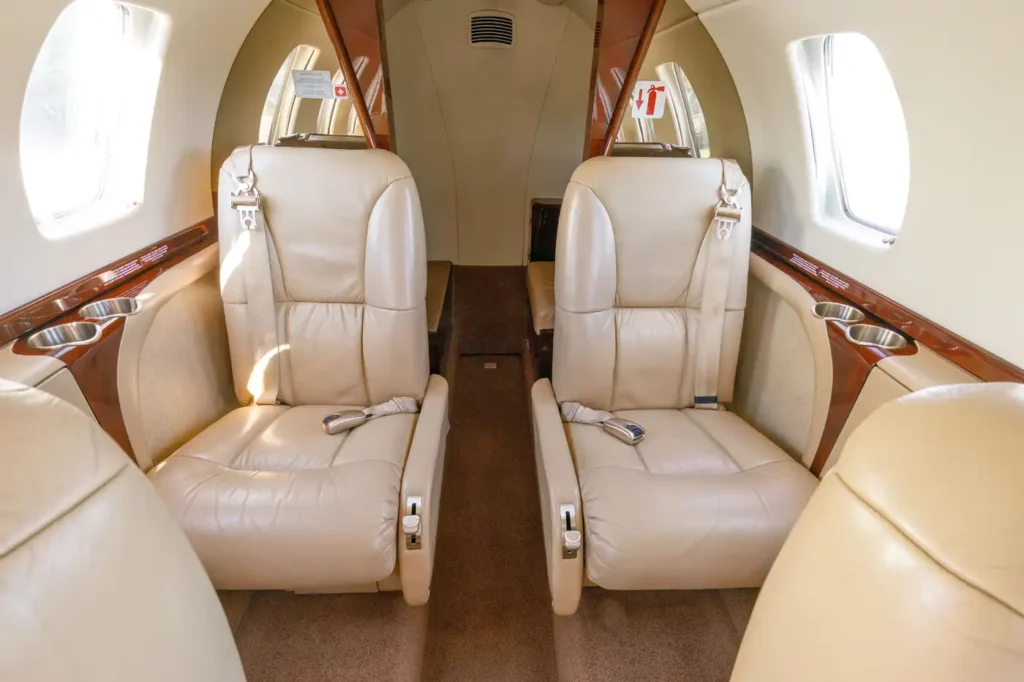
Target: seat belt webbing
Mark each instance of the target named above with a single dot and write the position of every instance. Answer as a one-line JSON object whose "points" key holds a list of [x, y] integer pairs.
{"points": [[259, 290], [719, 245]]}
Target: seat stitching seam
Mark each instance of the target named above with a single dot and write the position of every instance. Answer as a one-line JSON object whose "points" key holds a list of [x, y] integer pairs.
{"points": [[937, 561], [224, 466], [49, 523], [713, 440], [337, 450], [231, 464]]}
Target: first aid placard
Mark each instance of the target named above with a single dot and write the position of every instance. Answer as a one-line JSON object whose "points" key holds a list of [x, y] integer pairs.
{"points": [[317, 85], [649, 99]]}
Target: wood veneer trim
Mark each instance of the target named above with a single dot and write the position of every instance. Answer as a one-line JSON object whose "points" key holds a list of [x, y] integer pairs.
{"points": [[49, 307], [956, 349], [626, 93], [851, 363], [94, 367], [355, 90]]}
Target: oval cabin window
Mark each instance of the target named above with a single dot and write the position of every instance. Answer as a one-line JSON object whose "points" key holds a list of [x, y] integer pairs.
{"points": [[87, 115], [858, 132]]}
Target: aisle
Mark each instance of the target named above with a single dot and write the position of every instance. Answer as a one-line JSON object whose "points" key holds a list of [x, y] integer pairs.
{"points": [[489, 612]]}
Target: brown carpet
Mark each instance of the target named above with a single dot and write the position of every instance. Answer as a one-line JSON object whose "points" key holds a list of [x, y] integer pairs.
{"points": [[640, 636], [286, 637], [490, 614], [491, 307]]}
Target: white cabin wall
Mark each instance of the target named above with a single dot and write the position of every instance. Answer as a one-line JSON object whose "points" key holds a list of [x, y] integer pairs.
{"points": [[284, 25], [485, 131], [203, 42], [956, 66]]}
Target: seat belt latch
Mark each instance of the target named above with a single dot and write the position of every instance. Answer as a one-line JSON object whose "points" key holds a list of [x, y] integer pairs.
{"points": [[246, 200], [728, 212], [706, 402]]}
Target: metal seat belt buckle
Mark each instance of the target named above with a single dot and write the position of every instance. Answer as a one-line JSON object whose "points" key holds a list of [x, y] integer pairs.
{"points": [[343, 421], [628, 432]]}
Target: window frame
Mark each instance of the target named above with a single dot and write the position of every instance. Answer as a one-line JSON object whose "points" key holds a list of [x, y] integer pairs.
{"points": [[282, 120], [814, 61], [121, 127]]}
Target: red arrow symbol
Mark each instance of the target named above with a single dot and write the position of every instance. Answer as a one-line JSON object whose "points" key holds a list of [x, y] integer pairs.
{"points": [[640, 98]]}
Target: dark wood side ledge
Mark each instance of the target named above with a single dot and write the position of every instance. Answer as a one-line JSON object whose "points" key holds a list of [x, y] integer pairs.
{"points": [[956, 349], [95, 366], [851, 363], [46, 308]]}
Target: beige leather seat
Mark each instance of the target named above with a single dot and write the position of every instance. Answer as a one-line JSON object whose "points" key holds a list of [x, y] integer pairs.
{"points": [[97, 582], [908, 562], [705, 501], [268, 499]]}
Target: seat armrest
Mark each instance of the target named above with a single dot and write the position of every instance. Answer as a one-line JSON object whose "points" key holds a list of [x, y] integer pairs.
{"points": [[558, 486], [422, 478]]}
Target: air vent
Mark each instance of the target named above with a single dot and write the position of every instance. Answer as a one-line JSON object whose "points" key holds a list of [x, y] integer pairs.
{"points": [[492, 29], [597, 35]]}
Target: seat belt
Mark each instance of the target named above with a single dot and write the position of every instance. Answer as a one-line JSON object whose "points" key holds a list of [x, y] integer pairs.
{"points": [[717, 271], [261, 313], [627, 431], [346, 420]]}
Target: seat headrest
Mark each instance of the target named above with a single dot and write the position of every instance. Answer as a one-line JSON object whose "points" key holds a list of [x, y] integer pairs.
{"points": [[946, 466], [59, 457], [97, 581]]}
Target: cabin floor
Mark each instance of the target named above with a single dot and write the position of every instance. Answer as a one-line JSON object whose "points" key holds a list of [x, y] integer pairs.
{"points": [[489, 616]]}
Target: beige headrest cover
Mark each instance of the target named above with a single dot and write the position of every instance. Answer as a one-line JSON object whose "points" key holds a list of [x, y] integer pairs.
{"points": [[908, 562]]}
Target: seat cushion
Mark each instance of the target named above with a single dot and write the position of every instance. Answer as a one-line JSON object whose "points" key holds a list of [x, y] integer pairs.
{"points": [[540, 283], [704, 502], [270, 501]]}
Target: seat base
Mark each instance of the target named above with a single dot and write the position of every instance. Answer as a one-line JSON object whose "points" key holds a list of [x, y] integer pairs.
{"points": [[704, 502], [270, 501]]}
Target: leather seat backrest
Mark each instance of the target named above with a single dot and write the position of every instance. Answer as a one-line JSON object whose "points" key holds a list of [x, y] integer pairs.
{"points": [[348, 264], [97, 581], [629, 274], [908, 562]]}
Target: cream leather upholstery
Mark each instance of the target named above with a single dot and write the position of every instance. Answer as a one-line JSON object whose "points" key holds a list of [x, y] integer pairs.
{"points": [[540, 285], [907, 563], [268, 499], [705, 501], [97, 582]]}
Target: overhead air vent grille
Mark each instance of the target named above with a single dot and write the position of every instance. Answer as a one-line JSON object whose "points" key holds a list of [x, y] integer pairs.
{"points": [[492, 29], [597, 35]]}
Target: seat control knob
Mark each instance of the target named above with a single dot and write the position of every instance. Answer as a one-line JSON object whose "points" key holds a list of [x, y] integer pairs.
{"points": [[411, 524], [572, 540]]}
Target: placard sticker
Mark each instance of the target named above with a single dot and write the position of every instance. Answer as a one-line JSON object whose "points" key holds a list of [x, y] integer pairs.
{"points": [[316, 85], [341, 92], [649, 99]]}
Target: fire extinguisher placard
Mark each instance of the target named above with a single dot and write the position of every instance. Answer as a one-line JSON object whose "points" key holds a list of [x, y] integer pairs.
{"points": [[649, 99]]}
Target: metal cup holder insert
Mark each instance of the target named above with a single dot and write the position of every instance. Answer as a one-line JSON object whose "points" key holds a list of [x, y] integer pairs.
{"points": [[878, 337], [839, 312], [111, 307], [65, 335]]}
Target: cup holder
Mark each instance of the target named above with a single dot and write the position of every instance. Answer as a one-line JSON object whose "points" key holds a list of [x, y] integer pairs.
{"points": [[839, 312], [111, 307], [65, 335], [877, 337]]}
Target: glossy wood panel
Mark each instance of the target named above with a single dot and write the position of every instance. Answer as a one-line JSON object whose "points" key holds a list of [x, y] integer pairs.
{"points": [[354, 27], [625, 26], [851, 363], [954, 348], [95, 366], [48, 307], [643, 43]]}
